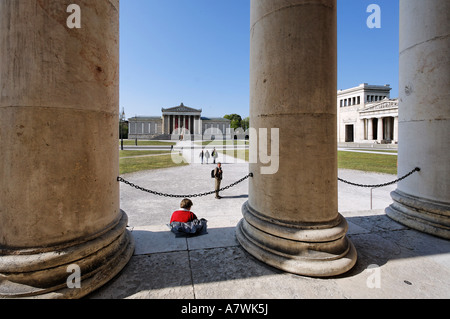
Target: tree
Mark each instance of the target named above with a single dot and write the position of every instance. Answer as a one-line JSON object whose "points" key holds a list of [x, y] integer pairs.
{"points": [[235, 120], [245, 123]]}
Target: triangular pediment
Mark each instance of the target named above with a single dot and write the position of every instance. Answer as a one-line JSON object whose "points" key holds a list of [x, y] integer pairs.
{"points": [[182, 109]]}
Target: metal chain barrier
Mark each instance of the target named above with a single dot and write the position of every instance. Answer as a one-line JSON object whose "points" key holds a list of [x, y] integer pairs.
{"points": [[120, 179], [417, 169]]}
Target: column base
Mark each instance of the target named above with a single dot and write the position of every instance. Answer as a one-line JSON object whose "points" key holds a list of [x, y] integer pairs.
{"points": [[421, 214], [317, 250], [43, 273]]}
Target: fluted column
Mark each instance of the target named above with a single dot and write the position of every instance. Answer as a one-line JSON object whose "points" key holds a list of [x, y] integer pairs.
{"points": [[380, 129], [422, 201], [291, 218], [370, 129], [59, 114]]}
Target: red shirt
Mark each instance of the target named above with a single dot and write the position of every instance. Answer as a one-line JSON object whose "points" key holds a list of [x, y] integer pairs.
{"points": [[182, 216]]}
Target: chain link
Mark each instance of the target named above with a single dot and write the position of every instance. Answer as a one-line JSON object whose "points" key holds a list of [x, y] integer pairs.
{"points": [[120, 179], [417, 169]]}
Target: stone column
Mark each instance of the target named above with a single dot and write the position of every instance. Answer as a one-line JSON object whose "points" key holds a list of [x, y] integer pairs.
{"points": [[291, 219], [422, 200], [395, 129], [380, 129], [59, 195], [370, 129], [164, 124]]}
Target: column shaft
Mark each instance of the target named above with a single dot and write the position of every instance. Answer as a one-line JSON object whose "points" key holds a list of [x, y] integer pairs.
{"points": [[59, 195], [422, 200], [291, 220], [380, 129]]}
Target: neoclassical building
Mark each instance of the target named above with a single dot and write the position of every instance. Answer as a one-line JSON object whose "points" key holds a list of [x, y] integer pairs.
{"points": [[177, 119], [366, 114]]}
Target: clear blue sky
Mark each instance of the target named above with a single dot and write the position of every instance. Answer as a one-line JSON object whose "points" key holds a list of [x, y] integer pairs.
{"points": [[197, 52]]}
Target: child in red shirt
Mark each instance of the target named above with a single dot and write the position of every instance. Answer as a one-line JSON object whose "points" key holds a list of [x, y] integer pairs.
{"points": [[183, 215], [185, 223]]}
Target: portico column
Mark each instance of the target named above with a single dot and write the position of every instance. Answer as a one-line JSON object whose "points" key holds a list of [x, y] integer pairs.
{"points": [[370, 129], [59, 196], [291, 218], [380, 129], [395, 129], [422, 201]]}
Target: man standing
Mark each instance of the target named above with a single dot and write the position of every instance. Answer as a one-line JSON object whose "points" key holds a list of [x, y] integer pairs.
{"points": [[214, 155], [218, 178]]}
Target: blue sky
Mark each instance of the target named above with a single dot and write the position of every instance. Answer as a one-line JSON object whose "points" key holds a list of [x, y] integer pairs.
{"points": [[197, 52]]}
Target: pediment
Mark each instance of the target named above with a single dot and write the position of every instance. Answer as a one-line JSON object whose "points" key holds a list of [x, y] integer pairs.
{"points": [[181, 109]]}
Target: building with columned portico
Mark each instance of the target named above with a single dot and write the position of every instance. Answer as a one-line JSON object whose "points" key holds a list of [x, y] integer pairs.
{"points": [[367, 114], [177, 120]]}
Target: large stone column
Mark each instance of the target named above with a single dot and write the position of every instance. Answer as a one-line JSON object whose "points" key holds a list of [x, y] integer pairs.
{"points": [[422, 200], [60, 213], [291, 219]]}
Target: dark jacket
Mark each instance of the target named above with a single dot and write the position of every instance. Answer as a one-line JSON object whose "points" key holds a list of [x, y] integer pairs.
{"points": [[218, 173]]}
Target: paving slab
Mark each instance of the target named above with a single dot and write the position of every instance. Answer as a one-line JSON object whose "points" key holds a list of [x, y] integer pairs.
{"points": [[394, 261]]}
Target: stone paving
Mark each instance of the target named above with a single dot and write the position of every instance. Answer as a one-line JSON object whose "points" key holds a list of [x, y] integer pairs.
{"points": [[393, 260]]}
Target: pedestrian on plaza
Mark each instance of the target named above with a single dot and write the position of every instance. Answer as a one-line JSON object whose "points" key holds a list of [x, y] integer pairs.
{"points": [[207, 156], [218, 178], [214, 155], [202, 154]]}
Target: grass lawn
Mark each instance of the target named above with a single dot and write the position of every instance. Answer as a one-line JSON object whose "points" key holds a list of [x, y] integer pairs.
{"points": [[374, 150], [349, 160], [378, 163], [223, 142], [143, 142], [140, 153], [368, 162], [130, 165], [242, 154]]}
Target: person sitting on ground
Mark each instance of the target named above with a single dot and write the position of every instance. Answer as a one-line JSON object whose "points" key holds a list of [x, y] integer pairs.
{"points": [[183, 215], [185, 222]]}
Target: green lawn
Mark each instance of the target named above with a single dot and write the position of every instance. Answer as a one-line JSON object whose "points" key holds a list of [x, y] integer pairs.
{"points": [[130, 165], [143, 143], [368, 162], [374, 150], [141, 153], [378, 163], [223, 142], [350, 160], [242, 153]]}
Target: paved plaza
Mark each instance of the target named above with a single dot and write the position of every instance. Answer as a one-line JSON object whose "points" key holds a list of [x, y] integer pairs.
{"points": [[393, 260]]}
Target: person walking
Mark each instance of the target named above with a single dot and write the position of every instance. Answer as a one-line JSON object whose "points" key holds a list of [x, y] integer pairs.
{"points": [[207, 156], [214, 155], [218, 173], [202, 154]]}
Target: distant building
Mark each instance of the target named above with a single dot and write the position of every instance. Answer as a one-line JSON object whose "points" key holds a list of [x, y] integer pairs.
{"points": [[178, 120], [366, 114]]}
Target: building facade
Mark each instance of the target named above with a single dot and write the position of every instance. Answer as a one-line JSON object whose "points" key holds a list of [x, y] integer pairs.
{"points": [[366, 114], [180, 120]]}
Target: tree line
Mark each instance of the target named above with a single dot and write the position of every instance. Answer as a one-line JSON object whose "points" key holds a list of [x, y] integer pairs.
{"points": [[237, 121]]}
